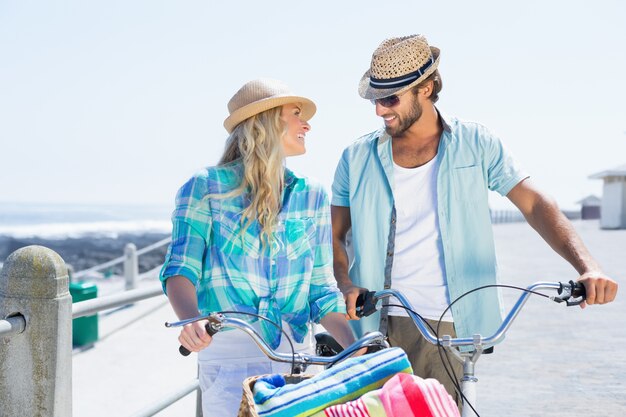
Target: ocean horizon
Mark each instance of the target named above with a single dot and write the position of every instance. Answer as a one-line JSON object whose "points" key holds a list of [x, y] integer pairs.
{"points": [[61, 221]]}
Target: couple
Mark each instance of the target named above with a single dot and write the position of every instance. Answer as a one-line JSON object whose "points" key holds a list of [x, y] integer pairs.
{"points": [[250, 235]]}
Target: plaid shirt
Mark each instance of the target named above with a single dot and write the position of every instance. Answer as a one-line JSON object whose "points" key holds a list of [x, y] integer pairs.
{"points": [[291, 279]]}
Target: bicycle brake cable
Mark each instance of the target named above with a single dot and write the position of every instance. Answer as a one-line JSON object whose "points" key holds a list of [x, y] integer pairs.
{"points": [[293, 350]]}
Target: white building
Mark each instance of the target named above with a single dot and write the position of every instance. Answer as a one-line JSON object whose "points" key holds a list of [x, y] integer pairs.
{"points": [[613, 211]]}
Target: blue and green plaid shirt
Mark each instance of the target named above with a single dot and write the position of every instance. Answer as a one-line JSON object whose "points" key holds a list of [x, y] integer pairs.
{"points": [[290, 280]]}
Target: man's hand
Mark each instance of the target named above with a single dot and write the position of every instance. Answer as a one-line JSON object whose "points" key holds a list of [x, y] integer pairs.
{"points": [[350, 294], [600, 288]]}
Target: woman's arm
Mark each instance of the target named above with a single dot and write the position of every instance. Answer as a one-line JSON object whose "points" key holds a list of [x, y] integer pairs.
{"points": [[182, 296], [338, 327]]}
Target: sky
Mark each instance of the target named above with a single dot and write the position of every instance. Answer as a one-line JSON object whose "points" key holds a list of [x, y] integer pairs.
{"points": [[120, 102]]}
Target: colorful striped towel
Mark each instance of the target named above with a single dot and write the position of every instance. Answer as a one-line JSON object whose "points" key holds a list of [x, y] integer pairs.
{"points": [[344, 382], [403, 395]]}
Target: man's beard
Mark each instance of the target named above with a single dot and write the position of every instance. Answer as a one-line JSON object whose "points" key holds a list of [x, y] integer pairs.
{"points": [[405, 123]]}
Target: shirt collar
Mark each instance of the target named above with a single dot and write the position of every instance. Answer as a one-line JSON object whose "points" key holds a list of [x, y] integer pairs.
{"points": [[444, 120], [290, 177]]}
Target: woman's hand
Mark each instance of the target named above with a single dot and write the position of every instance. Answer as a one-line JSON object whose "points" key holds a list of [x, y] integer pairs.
{"points": [[194, 336]]}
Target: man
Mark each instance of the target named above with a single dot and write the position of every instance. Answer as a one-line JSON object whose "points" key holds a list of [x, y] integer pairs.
{"points": [[415, 196]]}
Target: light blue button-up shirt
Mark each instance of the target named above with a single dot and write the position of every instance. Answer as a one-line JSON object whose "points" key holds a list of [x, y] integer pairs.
{"points": [[472, 160]]}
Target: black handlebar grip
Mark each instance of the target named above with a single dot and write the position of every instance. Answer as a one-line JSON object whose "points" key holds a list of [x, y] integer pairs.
{"points": [[365, 304], [183, 350], [573, 293], [209, 329], [578, 290]]}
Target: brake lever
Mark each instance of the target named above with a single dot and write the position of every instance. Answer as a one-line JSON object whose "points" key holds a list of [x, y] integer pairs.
{"points": [[572, 293]]}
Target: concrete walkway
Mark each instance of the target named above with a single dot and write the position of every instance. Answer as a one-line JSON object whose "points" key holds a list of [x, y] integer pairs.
{"points": [[556, 361], [133, 365]]}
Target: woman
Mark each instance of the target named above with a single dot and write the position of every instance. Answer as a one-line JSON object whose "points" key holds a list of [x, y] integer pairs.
{"points": [[250, 235]]}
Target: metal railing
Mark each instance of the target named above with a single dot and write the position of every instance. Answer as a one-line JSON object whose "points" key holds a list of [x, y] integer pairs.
{"points": [[130, 261], [38, 312], [95, 305], [513, 216], [12, 325]]}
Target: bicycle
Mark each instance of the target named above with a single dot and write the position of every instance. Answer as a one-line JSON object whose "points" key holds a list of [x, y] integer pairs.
{"points": [[572, 293]]}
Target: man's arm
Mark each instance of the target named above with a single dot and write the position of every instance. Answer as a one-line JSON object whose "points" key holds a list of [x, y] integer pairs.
{"points": [[341, 224], [543, 214]]}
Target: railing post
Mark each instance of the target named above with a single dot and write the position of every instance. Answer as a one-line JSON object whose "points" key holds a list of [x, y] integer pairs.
{"points": [[36, 365], [131, 266]]}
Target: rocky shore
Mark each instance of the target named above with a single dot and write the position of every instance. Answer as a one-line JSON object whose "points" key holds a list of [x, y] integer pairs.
{"points": [[91, 250]]}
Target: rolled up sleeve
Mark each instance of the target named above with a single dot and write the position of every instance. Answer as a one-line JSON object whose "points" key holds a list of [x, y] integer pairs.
{"points": [[504, 172], [341, 182], [191, 225]]}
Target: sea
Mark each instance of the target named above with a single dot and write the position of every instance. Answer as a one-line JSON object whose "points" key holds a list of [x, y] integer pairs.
{"points": [[61, 221]]}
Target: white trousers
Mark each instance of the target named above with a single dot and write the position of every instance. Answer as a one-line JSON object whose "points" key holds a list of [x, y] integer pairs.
{"points": [[231, 357]]}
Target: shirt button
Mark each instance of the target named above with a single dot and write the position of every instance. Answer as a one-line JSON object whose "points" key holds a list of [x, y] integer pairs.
{"points": [[389, 254]]}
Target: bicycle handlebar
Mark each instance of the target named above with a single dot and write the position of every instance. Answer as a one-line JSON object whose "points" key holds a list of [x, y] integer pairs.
{"points": [[572, 293], [220, 321]]}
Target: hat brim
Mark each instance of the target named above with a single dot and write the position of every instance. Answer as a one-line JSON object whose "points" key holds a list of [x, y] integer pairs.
{"points": [[247, 111], [368, 92]]}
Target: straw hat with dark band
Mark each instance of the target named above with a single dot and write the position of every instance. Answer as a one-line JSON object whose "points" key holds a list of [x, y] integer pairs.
{"points": [[397, 65], [260, 95]]}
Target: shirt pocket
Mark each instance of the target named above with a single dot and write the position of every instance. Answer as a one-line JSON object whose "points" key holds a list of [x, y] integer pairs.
{"points": [[298, 236], [230, 240], [469, 183]]}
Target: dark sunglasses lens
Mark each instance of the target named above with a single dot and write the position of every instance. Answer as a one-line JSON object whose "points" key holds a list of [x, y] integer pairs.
{"points": [[388, 101]]}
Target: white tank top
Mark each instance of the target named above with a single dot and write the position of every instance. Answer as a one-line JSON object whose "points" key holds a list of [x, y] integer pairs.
{"points": [[418, 269]]}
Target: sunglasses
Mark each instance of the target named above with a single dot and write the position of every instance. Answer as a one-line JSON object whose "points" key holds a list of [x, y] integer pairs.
{"points": [[388, 101]]}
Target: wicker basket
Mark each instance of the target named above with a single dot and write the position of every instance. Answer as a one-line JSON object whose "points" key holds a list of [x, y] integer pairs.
{"points": [[247, 408]]}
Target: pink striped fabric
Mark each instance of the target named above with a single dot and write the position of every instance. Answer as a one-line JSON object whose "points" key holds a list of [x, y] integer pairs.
{"points": [[404, 395], [354, 408]]}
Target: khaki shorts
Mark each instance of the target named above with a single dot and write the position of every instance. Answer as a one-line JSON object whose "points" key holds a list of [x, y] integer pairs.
{"points": [[422, 354]]}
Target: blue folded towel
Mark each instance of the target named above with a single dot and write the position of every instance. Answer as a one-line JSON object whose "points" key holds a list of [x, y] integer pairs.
{"points": [[344, 382]]}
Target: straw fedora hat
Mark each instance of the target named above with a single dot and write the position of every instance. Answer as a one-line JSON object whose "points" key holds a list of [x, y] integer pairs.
{"points": [[397, 65], [263, 94]]}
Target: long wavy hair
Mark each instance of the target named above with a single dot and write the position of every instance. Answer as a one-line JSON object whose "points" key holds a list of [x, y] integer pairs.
{"points": [[257, 143]]}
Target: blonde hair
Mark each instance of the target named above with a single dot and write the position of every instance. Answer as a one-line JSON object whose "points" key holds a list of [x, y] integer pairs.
{"points": [[257, 142]]}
